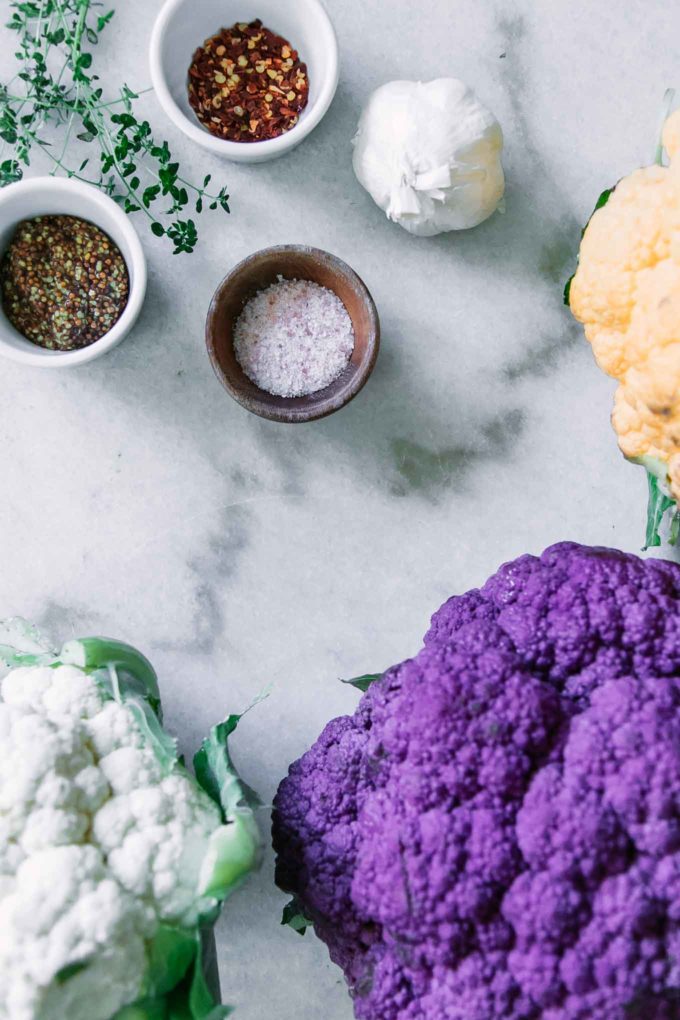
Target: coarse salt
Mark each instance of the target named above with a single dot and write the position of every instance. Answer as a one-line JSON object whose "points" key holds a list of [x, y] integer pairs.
{"points": [[293, 338]]}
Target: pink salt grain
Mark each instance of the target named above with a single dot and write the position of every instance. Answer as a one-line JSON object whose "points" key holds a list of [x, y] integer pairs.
{"points": [[293, 338]]}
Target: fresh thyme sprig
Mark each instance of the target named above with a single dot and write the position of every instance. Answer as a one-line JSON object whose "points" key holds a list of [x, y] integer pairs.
{"points": [[56, 93]]}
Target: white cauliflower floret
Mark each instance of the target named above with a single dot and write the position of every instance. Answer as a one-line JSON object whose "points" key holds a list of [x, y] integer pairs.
{"points": [[97, 847], [63, 909], [39, 764], [34, 690], [130, 768], [26, 687], [112, 727], [156, 842], [75, 695]]}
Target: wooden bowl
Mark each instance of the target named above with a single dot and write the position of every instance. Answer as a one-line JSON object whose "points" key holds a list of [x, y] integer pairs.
{"points": [[292, 262]]}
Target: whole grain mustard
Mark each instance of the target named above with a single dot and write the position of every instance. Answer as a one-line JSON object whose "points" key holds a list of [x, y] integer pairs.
{"points": [[64, 282]]}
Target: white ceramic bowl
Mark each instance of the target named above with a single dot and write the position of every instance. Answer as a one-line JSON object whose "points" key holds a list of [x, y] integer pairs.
{"points": [[183, 25], [41, 196]]}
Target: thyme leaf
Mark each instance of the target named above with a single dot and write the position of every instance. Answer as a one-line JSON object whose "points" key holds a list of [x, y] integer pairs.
{"points": [[56, 96]]}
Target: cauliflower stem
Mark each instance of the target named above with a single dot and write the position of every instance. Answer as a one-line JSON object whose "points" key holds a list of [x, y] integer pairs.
{"points": [[659, 504]]}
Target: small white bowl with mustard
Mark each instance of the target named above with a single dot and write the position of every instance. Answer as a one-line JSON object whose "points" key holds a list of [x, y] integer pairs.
{"points": [[59, 313]]}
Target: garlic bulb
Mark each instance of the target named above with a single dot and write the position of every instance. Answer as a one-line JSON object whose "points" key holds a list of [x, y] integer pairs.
{"points": [[430, 155]]}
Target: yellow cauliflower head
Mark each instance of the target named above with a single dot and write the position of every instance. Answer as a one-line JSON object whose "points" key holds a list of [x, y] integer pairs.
{"points": [[626, 292]]}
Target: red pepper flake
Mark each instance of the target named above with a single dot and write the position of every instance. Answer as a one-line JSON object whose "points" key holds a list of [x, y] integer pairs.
{"points": [[247, 84]]}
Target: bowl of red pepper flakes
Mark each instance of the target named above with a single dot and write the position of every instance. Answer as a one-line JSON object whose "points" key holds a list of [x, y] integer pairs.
{"points": [[248, 81]]}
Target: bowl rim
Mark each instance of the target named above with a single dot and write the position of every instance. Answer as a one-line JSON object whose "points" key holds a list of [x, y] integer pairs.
{"points": [[245, 152], [93, 199], [263, 408]]}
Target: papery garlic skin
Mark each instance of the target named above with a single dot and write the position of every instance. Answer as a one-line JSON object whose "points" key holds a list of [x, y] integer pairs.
{"points": [[429, 154]]}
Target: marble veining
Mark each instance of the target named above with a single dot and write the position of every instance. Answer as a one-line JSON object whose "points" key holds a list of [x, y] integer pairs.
{"points": [[138, 500]]}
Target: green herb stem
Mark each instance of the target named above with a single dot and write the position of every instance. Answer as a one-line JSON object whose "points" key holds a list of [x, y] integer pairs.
{"points": [[127, 148]]}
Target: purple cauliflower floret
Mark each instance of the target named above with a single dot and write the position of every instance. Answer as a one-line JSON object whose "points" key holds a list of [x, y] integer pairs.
{"points": [[495, 833]]}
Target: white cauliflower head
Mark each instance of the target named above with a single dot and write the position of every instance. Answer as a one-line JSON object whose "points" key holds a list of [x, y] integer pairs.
{"points": [[101, 843]]}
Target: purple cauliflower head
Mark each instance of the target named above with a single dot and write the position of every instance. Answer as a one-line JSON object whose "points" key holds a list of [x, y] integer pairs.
{"points": [[495, 833]]}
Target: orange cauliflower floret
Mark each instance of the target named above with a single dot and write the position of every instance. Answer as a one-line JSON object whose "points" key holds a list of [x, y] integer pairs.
{"points": [[626, 292]]}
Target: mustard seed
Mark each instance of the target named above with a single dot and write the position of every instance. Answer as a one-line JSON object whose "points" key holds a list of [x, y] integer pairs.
{"points": [[63, 282]]}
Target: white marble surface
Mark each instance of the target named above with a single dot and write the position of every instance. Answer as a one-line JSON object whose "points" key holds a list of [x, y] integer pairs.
{"points": [[140, 501]]}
